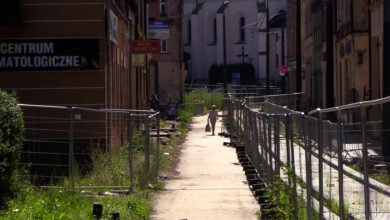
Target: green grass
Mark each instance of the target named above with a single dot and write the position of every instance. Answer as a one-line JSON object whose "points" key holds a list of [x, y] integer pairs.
{"points": [[33, 203], [107, 170], [208, 98], [202, 96], [63, 203], [281, 194]]}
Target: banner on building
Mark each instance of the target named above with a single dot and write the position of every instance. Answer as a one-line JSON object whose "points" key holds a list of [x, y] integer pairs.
{"points": [[113, 27], [145, 46], [158, 29], [48, 54]]}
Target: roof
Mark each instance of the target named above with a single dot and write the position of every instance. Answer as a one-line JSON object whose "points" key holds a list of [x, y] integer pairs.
{"points": [[197, 8], [223, 7], [279, 20]]}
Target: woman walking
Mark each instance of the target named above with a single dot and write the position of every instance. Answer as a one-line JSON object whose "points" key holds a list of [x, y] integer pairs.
{"points": [[213, 117]]}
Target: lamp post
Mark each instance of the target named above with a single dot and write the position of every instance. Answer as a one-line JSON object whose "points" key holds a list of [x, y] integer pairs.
{"points": [[267, 73], [225, 4], [282, 49], [298, 54]]}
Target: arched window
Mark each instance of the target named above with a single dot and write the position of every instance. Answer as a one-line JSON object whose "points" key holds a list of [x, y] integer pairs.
{"points": [[215, 30], [189, 32], [242, 30], [163, 7]]}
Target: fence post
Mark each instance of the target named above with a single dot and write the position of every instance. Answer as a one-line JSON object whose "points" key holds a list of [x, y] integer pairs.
{"points": [[367, 209], [71, 146], [253, 136], [147, 144], [308, 166], [261, 140], [277, 145], [287, 133], [258, 144], [340, 165], [158, 144], [294, 179], [320, 166], [130, 151], [269, 148]]}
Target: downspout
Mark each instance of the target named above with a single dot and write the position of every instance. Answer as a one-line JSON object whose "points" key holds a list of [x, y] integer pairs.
{"points": [[180, 51], [108, 77], [369, 51], [267, 67], [329, 53]]}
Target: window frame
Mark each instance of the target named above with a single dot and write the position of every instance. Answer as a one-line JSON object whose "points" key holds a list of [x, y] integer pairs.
{"points": [[163, 46], [242, 34], [163, 7]]}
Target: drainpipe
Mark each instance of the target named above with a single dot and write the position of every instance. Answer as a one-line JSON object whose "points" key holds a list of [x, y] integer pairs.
{"points": [[298, 68], [108, 76], [267, 69], [329, 54], [386, 78]]}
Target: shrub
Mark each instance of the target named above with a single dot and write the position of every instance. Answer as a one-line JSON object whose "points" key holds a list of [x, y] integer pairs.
{"points": [[11, 140], [246, 71]]}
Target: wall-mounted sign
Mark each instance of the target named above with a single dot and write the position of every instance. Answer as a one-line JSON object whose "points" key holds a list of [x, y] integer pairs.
{"points": [[138, 59], [113, 27], [158, 29], [145, 46], [48, 54]]}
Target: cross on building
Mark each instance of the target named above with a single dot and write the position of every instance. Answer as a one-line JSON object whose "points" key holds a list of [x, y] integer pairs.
{"points": [[243, 55]]}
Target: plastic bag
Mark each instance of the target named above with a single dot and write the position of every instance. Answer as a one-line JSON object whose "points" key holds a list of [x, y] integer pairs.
{"points": [[207, 129]]}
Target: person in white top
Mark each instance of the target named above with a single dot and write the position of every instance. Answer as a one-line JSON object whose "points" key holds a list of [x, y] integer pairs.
{"points": [[213, 117]]}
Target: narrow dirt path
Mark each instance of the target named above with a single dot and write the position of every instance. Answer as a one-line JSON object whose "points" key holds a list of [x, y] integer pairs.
{"points": [[210, 184]]}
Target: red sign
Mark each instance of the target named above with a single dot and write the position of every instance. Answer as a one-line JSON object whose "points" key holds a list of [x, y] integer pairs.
{"points": [[284, 68], [145, 46]]}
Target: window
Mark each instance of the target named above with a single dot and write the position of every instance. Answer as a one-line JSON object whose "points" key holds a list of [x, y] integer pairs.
{"points": [[163, 7], [242, 30], [189, 32], [164, 46], [215, 30], [9, 11]]}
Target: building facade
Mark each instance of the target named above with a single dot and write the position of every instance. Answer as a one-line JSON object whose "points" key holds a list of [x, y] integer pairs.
{"points": [[352, 52], [244, 32], [167, 68], [72, 53]]}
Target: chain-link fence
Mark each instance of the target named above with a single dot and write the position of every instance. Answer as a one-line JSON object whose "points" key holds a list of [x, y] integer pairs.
{"points": [[330, 161], [60, 142]]}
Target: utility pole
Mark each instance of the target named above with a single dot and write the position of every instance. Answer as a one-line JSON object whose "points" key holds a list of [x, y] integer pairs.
{"points": [[298, 69], [329, 54], [225, 4], [224, 57], [267, 71], [282, 50], [385, 86]]}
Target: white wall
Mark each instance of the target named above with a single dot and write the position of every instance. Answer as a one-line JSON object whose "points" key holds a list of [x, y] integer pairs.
{"points": [[203, 55]]}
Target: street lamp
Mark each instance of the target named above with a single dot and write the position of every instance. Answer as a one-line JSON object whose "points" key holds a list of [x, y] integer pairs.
{"points": [[225, 4], [298, 53]]}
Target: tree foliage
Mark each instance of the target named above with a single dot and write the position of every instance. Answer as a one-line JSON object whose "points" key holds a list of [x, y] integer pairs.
{"points": [[246, 71], [11, 140]]}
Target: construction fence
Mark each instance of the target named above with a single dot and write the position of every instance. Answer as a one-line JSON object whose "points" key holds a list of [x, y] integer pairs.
{"points": [[331, 161], [60, 141]]}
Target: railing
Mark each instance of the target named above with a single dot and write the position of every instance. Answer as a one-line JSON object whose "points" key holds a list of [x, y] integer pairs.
{"points": [[333, 154], [61, 140]]}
